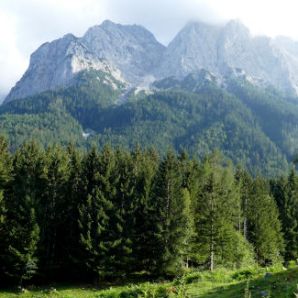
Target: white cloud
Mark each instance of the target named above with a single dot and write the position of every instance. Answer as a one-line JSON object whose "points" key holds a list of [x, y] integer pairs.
{"points": [[269, 17], [25, 24], [12, 61]]}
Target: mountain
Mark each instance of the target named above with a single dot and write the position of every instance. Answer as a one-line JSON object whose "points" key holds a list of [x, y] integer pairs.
{"points": [[2, 97], [220, 49], [210, 88], [128, 53], [255, 127], [131, 54], [132, 49]]}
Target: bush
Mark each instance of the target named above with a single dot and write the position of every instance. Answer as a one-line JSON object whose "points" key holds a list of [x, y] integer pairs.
{"points": [[243, 275], [292, 264]]}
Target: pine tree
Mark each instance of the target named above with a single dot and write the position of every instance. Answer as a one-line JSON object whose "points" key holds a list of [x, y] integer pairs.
{"points": [[287, 201], [189, 232], [70, 229], [52, 208], [122, 218], [170, 220], [24, 192], [5, 176], [144, 170], [23, 238], [190, 185], [290, 217], [94, 221], [245, 183], [217, 215], [264, 230]]}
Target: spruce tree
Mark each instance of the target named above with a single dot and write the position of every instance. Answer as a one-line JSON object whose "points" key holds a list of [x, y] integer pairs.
{"points": [[23, 240], [122, 219], [217, 215], [53, 212], [5, 176], [94, 222], [144, 170], [245, 183], [288, 206], [169, 217], [190, 185], [264, 229], [24, 193], [70, 229], [285, 191]]}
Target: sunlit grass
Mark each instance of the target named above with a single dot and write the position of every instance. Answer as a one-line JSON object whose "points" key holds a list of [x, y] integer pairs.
{"points": [[256, 282]]}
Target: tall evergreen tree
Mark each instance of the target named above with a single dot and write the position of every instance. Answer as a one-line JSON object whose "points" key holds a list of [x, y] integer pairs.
{"points": [[285, 191], [24, 193], [97, 232], [217, 214], [143, 173], [52, 207], [170, 221], [70, 228], [264, 229], [5, 176], [189, 170], [245, 182], [123, 212]]}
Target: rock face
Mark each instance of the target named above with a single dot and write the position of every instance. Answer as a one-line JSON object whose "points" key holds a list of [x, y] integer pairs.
{"points": [[126, 52], [132, 49], [55, 64], [131, 54], [2, 97], [220, 49]]}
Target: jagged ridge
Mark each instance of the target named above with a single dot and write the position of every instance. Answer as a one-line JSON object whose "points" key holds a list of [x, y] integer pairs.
{"points": [[131, 54]]}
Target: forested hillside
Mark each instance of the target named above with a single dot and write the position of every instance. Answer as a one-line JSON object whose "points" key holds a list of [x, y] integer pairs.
{"points": [[255, 127], [70, 215]]}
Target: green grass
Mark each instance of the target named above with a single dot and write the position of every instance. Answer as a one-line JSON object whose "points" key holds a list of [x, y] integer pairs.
{"points": [[281, 284], [254, 283]]}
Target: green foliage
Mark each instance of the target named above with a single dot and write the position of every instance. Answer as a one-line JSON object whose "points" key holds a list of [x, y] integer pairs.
{"points": [[23, 231], [94, 211], [216, 218], [52, 207], [171, 217], [114, 213], [5, 175], [220, 283], [285, 191], [253, 127], [265, 227]]}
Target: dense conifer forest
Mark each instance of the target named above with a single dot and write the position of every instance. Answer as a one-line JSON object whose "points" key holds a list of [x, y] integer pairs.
{"points": [[93, 215], [253, 126]]}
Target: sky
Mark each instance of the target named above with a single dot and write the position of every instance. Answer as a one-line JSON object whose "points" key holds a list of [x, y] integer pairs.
{"points": [[26, 24]]}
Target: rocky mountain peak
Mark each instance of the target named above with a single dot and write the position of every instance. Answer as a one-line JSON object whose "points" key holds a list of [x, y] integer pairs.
{"points": [[128, 52], [236, 27], [131, 53], [131, 48]]}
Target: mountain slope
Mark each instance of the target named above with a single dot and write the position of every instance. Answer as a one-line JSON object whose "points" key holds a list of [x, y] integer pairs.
{"points": [[195, 114], [220, 49], [128, 53], [131, 48], [211, 88]]}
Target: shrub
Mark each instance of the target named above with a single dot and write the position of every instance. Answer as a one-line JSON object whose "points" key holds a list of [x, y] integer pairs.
{"points": [[243, 275]]}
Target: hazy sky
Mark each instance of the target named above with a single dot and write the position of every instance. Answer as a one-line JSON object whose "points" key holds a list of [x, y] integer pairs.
{"points": [[25, 24]]}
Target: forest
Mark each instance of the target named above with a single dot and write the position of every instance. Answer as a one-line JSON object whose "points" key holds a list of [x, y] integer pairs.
{"points": [[253, 126], [100, 214]]}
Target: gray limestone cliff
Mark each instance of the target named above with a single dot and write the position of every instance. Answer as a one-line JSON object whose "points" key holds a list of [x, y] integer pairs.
{"points": [[128, 53], [131, 54]]}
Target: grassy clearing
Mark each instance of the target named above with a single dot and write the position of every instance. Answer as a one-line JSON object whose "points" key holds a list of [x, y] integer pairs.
{"points": [[255, 283]]}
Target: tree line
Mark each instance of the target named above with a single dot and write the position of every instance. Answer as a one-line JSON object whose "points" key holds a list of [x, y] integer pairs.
{"points": [[112, 213]]}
